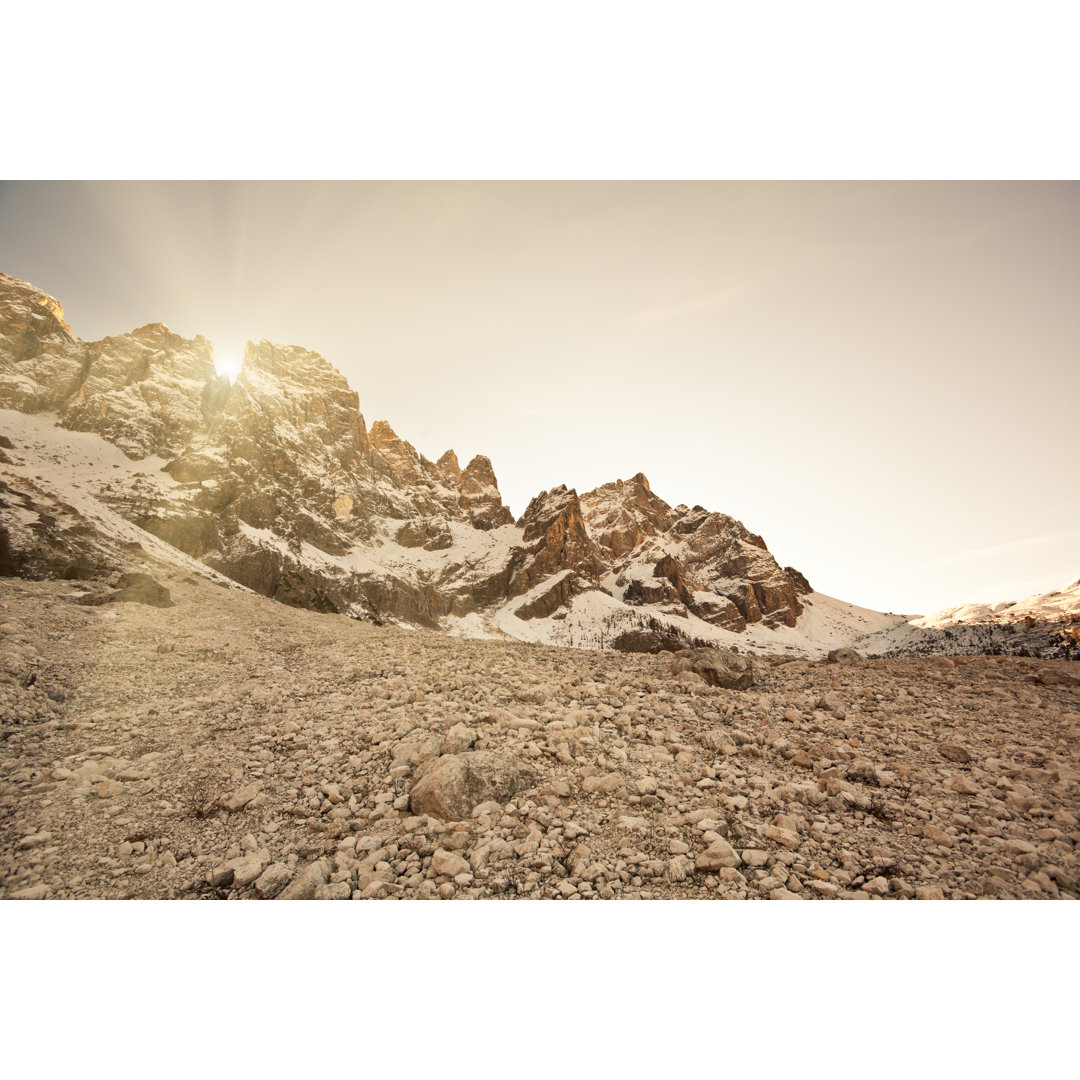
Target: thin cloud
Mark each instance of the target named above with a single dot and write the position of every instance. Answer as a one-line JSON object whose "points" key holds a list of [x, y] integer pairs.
{"points": [[1013, 546], [721, 300]]}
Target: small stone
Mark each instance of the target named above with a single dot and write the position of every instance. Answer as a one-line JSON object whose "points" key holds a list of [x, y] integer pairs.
{"points": [[272, 880], [307, 881], [607, 784], [932, 832], [718, 855], [34, 840], [339, 890], [961, 784], [221, 877], [246, 869], [240, 798], [447, 864], [33, 892], [955, 753], [1019, 847], [459, 739], [929, 892], [786, 837], [107, 789]]}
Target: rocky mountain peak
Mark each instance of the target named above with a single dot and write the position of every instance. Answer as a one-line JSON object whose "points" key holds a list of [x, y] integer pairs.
{"points": [[622, 514], [553, 522], [15, 293], [479, 495], [293, 364], [401, 457], [449, 467], [154, 331]]}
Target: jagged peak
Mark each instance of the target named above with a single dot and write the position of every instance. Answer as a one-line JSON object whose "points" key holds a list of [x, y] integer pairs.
{"points": [[36, 296], [449, 467], [292, 362], [480, 465], [549, 504], [558, 493], [401, 453], [381, 431], [153, 329]]}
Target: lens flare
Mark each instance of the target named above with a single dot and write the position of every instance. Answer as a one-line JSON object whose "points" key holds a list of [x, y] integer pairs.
{"points": [[229, 364]]}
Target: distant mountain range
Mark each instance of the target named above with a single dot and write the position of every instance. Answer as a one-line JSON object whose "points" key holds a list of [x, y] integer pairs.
{"points": [[132, 450]]}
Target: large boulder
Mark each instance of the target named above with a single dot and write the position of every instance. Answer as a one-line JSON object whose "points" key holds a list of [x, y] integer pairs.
{"points": [[718, 667], [844, 656], [451, 786], [132, 588]]}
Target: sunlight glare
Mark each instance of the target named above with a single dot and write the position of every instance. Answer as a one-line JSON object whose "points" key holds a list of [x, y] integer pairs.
{"points": [[229, 364]]}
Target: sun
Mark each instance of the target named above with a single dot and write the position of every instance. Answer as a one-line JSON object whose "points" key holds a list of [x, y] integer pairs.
{"points": [[229, 364]]}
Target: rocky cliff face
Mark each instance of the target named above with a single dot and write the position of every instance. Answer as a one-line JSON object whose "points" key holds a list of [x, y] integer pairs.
{"points": [[277, 482], [704, 563]]}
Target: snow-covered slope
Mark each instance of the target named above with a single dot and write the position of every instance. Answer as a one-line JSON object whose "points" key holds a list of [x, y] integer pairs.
{"points": [[597, 620], [1053, 606], [54, 491]]}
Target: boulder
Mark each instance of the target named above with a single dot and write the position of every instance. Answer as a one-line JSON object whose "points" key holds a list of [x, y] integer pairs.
{"points": [[844, 656], [718, 667], [452, 786], [717, 856], [131, 588], [954, 752], [305, 883]]}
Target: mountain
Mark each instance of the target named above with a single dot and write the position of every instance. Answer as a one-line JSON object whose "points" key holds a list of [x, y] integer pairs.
{"points": [[133, 448], [1059, 605]]}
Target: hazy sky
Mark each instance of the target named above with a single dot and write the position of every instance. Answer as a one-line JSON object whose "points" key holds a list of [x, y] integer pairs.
{"points": [[880, 378]]}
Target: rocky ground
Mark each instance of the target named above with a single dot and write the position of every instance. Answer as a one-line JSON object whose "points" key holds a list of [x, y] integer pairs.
{"points": [[230, 747]]}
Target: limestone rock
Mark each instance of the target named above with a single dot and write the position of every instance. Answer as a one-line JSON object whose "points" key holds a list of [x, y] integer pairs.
{"points": [[448, 863], [955, 753], [272, 880], [452, 786], [718, 855], [240, 798], [306, 882], [844, 656], [718, 667]]}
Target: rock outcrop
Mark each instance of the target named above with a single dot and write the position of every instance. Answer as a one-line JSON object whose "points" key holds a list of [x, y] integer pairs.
{"points": [[705, 563]]}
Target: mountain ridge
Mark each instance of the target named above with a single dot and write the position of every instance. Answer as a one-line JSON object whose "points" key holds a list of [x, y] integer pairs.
{"points": [[275, 481]]}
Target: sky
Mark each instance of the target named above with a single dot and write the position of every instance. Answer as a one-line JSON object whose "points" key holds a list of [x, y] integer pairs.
{"points": [[879, 378]]}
